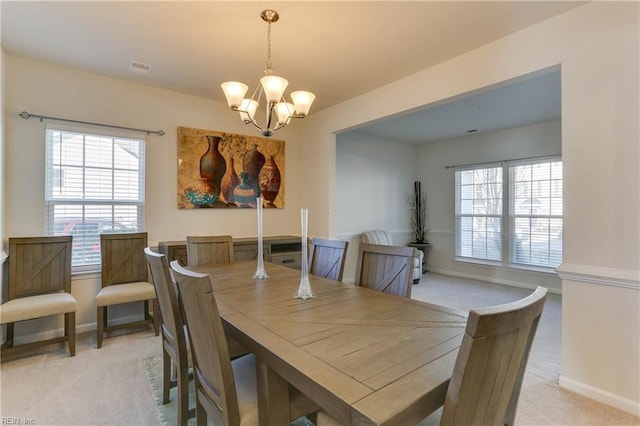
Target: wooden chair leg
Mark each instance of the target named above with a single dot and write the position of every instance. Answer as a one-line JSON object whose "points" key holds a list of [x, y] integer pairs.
{"points": [[156, 317], [9, 340], [166, 376], [183, 393], [70, 331], [201, 413], [100, 324]]}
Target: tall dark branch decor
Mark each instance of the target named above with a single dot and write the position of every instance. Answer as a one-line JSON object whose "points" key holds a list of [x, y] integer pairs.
{"points": [[418, 209]]}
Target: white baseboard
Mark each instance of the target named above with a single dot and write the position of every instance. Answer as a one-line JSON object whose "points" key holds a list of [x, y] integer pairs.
{"points": [[608, 398], [491, 280]]}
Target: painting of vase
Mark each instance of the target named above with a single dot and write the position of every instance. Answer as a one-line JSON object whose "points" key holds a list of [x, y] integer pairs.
{"points": [[214, 167], [269, 181]]}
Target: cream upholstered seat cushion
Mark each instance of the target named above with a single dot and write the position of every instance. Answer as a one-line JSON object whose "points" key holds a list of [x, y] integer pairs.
{"points": [[125, 293], [25, 308]]}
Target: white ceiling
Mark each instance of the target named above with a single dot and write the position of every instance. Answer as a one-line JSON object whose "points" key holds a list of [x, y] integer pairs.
{"points": [[338, 50]]}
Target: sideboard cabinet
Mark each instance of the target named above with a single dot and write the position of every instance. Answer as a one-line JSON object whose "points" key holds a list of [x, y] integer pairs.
{"points": [[284, 250]]}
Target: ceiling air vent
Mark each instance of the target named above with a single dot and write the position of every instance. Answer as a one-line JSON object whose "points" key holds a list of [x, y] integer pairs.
{"points": [[139, 67]]}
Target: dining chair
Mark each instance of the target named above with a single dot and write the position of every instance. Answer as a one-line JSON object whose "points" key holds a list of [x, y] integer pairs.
{"points": [[327, 258], [125, 279], [212, 346], [208, 250], [225, 390], [385, 268], [385, 238], [485, 384], [39, 286], [175, 351]]}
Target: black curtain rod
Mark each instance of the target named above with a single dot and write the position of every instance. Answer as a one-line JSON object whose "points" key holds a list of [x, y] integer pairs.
{"points": [[26, 116]]}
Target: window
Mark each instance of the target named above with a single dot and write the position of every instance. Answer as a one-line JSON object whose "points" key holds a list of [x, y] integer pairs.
{"points": [[518, 203], [94, 184]]}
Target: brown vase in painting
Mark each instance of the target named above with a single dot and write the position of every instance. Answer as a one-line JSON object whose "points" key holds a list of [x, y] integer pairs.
{"points": [[252, 163], [229, 182], [212, 163], [269, 180]]}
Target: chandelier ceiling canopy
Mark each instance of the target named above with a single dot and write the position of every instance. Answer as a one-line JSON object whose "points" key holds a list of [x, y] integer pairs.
{"points": [[279, 112]]}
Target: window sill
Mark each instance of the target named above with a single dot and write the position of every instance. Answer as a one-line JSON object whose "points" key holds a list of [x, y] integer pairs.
{"points": [[507, 267], [84, 272]]}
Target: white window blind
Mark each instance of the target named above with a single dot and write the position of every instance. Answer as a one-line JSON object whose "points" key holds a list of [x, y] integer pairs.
{"points": [[479, 213], [516, 203], [535, 213], [94, 184]]}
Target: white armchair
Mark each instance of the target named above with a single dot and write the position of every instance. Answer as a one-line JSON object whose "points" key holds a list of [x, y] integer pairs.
{"points": [[384, 238]]}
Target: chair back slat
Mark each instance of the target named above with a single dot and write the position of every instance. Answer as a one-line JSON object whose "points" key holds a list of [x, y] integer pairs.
{"points": [[488, 374], [123, 259], [327, 258], [209, 350], [209, 250], [385, 268], [39, 265]]}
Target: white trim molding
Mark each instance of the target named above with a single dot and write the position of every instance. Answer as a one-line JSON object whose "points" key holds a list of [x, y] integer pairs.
{"points": [[624, 278], [492, 280], [617, 401]]}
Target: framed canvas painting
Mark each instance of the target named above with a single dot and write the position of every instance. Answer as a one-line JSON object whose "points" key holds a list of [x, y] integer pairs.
{"points": [[228, 170]]}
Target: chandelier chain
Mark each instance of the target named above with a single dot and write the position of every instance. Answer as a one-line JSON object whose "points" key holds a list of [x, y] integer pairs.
{"points": [[268, 70]]}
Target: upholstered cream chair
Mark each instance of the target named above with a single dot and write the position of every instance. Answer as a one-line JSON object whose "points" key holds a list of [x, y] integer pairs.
{"points": [[125, 279], [39, 286], [384, 238]]}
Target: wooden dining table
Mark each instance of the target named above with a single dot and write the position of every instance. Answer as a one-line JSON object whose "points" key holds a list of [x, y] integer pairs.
{"points": [[366, 357]]}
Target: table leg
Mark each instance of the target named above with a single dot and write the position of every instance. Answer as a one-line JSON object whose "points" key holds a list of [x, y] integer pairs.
{"points": [[273, 396]]}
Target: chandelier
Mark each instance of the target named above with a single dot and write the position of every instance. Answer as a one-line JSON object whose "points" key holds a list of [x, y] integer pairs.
{"points": [[279, 112]]}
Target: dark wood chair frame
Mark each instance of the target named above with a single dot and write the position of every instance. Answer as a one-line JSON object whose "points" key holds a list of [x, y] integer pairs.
{"points": [[37, 266]]}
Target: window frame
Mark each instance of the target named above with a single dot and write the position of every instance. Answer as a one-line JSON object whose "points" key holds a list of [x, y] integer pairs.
{"points": [[122, 210], [508, 217]]}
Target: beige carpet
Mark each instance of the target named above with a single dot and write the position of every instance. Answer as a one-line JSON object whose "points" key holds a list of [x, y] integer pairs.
{"points": [[168, 413], [109, 386]]}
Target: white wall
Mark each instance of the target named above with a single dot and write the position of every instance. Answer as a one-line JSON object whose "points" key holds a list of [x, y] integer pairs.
{"points": [[53, 91], [373, 180], [597, 47], [538, 140], [2, 169]]}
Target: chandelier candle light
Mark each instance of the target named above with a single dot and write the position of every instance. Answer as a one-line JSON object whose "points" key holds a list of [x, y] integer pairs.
{"points": [[260, 274], [304, 290], [273, 88]]}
